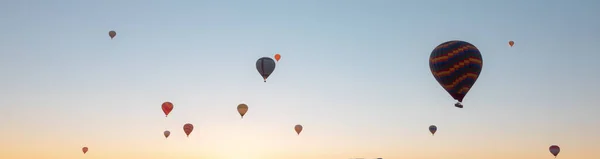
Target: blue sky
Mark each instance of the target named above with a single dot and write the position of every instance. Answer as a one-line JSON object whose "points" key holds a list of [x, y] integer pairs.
{"points": [[354, 73]]}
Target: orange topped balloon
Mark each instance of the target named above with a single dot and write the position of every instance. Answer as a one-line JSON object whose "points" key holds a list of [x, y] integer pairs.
{"points": [[277, 57]]}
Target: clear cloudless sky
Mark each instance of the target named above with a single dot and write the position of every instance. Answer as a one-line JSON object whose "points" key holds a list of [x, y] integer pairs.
{"points": [[355, 73]]}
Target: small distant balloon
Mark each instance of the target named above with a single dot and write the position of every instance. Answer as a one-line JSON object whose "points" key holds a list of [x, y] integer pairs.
{"points": [[554, 149], [432, 129], [84, 149], [167, 107], [511, 43], [298, 129], [265, 66], [242, 109], [277, 57], [112, 34], [188, 128], [167, 133]]}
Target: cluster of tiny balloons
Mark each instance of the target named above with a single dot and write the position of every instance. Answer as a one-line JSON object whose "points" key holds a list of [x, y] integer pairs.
{"points": [[455, 64]]}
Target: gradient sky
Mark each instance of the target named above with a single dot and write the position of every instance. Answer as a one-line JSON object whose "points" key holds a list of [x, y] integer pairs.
{"points": [[355, 73]]}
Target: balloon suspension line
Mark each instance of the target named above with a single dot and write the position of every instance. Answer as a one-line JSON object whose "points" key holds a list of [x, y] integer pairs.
{"points": [[166, 122]]}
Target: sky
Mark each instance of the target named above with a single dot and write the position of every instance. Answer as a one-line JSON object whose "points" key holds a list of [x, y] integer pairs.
{"points": [[354, 73]]}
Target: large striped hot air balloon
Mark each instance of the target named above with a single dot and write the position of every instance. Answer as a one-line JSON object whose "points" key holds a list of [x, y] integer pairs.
{"points": [[456, 65]]}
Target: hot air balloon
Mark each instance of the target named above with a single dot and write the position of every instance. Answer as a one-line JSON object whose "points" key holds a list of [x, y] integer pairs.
{"points": [[554, 149], [298, 129], [456, 65], [167, 107], [432, 129], [84, 149], [242, 109], [112, 34], [188, 128], [167, 133], [265, 66], [511, 43], [277, 57]]}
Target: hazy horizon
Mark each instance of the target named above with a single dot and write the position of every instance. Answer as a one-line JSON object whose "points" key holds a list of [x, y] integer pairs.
{"points": [[354, 73]]}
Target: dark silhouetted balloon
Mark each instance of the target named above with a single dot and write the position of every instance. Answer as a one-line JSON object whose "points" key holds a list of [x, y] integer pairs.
{"points": [[432, 129], [265, 67], [456, 65], [112, 34], [554, 149]]}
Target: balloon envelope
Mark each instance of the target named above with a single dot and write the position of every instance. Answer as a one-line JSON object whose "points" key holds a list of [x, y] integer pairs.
{"points": [[167, 107], [298, 128], [265, 66], [554, 149], [456, 65], [84, 149], [188, 128], [432, 129], [277, 57], [167, 133], [511, 43], [242, 109], [112, 34]]}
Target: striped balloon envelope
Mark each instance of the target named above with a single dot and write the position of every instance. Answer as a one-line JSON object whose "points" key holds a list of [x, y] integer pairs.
{"points": [[456, 65]]}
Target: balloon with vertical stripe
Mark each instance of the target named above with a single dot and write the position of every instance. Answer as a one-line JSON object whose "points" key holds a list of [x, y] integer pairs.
{"points": [[265, 66], [456, 65]]}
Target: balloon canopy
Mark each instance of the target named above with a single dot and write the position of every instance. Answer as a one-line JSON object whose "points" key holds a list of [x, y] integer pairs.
{"points": [[242, 109], [265, 66], [456, 65], [112, 34]]}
